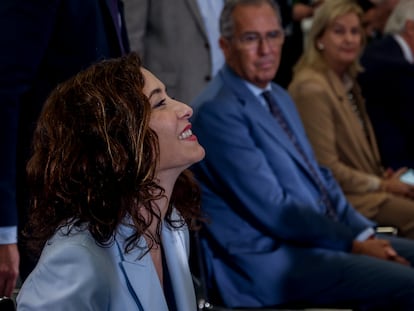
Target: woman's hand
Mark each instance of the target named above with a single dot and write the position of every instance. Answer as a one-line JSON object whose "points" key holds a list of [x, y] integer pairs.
{"points": [[392, 183]]}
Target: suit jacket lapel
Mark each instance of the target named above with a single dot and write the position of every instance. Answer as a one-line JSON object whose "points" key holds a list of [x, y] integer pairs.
{"points": [[262, 116], [293, 120], [193, 5], [119, 30]]}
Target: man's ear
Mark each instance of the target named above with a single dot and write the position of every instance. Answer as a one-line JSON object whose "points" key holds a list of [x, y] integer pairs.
{"points": [[225, 46], [408, 34], [409, 28]]}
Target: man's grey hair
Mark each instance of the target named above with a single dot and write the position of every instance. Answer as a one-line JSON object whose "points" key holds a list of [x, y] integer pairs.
{"points": [[403, 12], [226, 20]]}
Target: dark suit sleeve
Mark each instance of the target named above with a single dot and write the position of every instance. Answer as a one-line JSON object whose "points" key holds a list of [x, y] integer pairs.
{"points": [[26, 27], [43, 43]]}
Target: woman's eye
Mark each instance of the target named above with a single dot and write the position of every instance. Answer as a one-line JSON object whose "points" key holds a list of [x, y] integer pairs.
{"points": [[338, 30], [356, 31], [160, 104]]}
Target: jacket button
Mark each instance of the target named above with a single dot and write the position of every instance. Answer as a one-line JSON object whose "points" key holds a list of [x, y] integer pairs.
{"points": [[207, 78]]}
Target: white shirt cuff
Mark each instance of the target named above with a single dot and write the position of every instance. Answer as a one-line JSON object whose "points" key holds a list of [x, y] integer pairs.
{"points": [[365, 235], [8, 235]]}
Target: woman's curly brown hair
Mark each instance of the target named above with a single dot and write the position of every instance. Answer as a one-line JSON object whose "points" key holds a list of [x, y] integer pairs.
{"points": [[94, 159]]}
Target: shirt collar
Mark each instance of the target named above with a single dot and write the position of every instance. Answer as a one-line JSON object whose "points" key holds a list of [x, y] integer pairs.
{"points": [[257, 91], [408, 54]]}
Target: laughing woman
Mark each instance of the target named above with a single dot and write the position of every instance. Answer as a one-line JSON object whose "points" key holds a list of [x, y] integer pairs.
{"points": [[333, 112], [111, 197]]}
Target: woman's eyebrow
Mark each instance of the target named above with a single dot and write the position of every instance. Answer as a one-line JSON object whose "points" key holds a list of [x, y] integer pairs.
{"points": [[154, 92]]}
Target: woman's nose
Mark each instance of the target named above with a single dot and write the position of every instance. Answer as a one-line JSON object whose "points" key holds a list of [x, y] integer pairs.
{"points": [[185, 111]]}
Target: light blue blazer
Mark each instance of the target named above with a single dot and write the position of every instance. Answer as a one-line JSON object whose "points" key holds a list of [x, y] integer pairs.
{"points": [[74, 273]]}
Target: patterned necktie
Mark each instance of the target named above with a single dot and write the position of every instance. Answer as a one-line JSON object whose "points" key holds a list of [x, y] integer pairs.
{"points": [[278, 114]]}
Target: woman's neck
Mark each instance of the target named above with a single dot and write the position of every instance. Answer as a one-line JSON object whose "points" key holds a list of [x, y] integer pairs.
{"points": [[156, 256], [340, 72], [166, 182], [339, 69]]}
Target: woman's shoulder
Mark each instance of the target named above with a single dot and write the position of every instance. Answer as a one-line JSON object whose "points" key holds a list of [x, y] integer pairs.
{"points": [[308, 80], [73, 254], [75, 240], [69, 270]]}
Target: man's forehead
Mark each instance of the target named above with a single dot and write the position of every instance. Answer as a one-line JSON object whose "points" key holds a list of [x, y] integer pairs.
{"points": [[255, 16]]}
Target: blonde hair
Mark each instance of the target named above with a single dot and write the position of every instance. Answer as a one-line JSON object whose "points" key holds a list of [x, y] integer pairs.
{"points": [[324, 16]]}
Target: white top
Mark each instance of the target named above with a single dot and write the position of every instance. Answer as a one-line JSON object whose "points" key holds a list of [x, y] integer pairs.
{"points": [[408, 54]]}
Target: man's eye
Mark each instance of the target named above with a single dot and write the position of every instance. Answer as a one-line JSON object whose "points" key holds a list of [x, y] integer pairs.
{"points": [[250, 38], [274, 34]]}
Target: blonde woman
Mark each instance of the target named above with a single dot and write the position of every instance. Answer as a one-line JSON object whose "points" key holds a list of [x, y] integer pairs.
{"points": [[333, 112]]}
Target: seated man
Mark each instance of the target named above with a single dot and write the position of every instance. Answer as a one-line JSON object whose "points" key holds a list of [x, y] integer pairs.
{"points": [[375, 16], [281, 230], [387, 85]]}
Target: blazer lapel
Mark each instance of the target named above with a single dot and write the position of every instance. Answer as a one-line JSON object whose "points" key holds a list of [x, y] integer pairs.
{"points": [[293, 120], [373, 143], [268, 122], [368, 148], [264, 119], [140, 275], [260, 115]]}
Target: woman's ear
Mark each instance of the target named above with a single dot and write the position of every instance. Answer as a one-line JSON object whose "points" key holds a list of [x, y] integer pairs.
{"points": [[320, 45]]}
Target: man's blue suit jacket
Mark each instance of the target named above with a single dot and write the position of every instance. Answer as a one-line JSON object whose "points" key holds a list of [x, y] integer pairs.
{"points": [[387, 84], [42, 44], [269, 236]]}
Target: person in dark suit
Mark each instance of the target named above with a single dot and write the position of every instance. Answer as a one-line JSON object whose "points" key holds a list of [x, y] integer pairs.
{"points": [[42, 44], [294, 37], [376, 13], [387, 85], [280, 230]]}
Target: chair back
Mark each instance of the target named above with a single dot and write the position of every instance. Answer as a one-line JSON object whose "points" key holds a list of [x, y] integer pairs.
{"points": [[7, 304], [207, 299]]}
